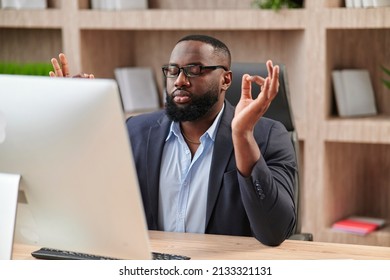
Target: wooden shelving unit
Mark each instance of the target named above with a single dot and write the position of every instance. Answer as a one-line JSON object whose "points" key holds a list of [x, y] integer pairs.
{"points": [[345, 162]]}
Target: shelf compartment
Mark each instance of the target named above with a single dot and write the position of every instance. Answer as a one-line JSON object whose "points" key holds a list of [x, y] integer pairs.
{"points": [[358, 130], [29, 45], [189, 4], [200, 4], [359, 49], [358, 182]]}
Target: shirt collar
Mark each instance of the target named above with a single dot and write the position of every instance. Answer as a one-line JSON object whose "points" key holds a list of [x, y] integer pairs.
{"points": [[211, 131]]}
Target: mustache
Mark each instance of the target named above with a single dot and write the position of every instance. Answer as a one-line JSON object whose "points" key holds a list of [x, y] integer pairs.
{"points": [[180, 92]]}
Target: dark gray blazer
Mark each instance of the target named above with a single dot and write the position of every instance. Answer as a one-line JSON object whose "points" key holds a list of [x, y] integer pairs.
{"points": [[261, 205]]}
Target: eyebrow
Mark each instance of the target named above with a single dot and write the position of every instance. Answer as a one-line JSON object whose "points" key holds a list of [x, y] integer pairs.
{"points": [[191, 63]]}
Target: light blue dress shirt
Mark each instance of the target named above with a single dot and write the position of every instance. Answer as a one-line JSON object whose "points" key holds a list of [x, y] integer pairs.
{"points": [[184, 181]]}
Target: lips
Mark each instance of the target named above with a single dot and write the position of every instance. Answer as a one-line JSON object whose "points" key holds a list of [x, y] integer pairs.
{"points": [[181, 97]]}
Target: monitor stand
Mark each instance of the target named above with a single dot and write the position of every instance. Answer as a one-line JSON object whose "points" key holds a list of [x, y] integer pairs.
{"points": [[9, 187]]}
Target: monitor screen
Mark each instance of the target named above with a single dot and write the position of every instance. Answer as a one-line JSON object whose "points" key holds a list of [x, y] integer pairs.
{"points": [[78, 189]]}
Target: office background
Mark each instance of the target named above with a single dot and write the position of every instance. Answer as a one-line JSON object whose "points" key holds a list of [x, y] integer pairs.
{"points": [[345, 162]]}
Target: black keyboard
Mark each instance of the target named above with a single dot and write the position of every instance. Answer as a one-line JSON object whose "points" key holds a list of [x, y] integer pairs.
{"points": [[54, 254]]}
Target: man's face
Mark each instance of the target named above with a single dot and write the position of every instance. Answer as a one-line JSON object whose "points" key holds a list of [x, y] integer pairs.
{"points": [[192, 98]]}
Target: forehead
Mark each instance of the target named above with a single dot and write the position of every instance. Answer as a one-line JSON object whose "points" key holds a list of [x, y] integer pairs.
{"points": [[187, 52]]}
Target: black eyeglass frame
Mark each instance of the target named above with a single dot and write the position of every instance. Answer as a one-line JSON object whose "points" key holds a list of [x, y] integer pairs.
{"points": [[186, 67]]}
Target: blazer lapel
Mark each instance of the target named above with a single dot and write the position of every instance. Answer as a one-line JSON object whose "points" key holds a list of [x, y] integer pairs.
{"points": [[223, 149]]}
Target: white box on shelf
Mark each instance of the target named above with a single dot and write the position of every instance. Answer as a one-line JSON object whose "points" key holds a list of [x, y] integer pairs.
{"points": [[137, 88], [357, 3], [23, 4], [349, 3], [119, 4], [368, 3], [353, 92], [381, 3]]}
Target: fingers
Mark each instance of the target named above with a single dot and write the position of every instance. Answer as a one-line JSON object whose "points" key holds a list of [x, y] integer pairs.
{"points": [[273, 74], [274, 87], [57, 69], [246, 87], [264, 96], [269, 68], [61, 69], [257, 79], [65, 65], [84, 75]]}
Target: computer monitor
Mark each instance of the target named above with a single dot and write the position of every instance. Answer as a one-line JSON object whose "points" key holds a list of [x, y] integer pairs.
{"points": [[79, 187]]}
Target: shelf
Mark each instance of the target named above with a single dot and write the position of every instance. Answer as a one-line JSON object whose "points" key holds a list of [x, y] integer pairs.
{"points": [[358, 130], [193, 20], [50, 18], [343, 18], [381, 236], [356, 176], [29, 44]]}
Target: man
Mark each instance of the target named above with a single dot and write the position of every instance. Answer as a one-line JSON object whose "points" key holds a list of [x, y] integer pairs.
{"points": [[205, 166]]}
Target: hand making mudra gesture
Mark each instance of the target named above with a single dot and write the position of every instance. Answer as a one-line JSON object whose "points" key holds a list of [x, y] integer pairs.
{"points": [[62, 70], [248, 112]]}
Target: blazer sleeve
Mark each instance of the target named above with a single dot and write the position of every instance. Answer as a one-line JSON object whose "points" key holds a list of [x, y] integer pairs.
{"points": [[268, 194]]}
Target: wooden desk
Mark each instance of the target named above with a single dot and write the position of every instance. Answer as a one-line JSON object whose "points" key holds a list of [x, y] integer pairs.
{"points": [[221, 247]]}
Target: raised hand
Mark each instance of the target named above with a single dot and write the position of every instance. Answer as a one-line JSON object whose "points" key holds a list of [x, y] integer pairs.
{"points": [[248, 113], [62, 70], [249, 110]]}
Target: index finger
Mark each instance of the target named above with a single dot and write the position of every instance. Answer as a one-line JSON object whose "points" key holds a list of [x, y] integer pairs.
{"points": [[57, 68]]}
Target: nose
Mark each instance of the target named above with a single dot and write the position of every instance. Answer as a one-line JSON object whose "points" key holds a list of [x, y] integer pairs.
{"points": [[182, 80]]}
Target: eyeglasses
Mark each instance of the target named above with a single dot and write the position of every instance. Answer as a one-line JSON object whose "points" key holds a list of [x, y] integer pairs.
{"points": [[173, 71]]}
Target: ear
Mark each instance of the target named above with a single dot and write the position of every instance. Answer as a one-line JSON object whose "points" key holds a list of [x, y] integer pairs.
{"points": [[227, 80]]}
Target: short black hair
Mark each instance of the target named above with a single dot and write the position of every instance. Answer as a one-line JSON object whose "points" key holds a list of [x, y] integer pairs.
{"points": [[218, 45]]}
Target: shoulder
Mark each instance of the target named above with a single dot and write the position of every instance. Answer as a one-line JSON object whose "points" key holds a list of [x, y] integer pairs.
{"points": [[272, 136], [266, 125], [145, 120]]}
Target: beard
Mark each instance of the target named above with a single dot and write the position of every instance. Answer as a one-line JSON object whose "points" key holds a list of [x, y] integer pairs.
{"points": [[199, 107]]}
